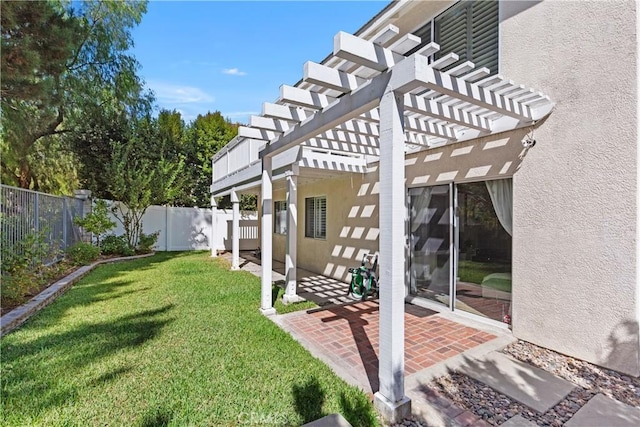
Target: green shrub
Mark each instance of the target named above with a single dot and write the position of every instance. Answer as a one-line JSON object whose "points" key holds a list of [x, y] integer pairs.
{"points": [[83, 253], [16, 285], [116, 245], [146, 242], [97, 222], [23, 268], [27, 253]]}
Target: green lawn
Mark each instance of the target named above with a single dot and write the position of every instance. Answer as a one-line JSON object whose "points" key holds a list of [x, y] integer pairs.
{"points": [[174, 339]]}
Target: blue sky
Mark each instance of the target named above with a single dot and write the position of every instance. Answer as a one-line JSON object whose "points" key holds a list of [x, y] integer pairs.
{"points": [[231, 57]]}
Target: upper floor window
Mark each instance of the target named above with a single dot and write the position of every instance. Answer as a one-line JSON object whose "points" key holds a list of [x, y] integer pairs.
{"points": [[315, 217], [280, 217], [470, 29]]}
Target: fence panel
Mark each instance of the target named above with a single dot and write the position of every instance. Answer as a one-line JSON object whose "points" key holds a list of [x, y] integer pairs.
{"points": [[184, 229], [25, 212]]}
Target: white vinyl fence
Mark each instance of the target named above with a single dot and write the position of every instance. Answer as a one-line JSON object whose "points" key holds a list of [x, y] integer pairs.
{"points": [[184, 229]]}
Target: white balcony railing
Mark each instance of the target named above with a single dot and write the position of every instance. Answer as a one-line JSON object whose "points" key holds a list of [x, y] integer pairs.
{"points": [[238, 162], [236, 155]]}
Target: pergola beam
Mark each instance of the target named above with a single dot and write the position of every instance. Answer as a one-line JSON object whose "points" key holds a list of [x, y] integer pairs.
{"points": [[330, 78], [387, 33], [405, 44], [362, 52], [274, 125], [350, 106], [284, 112], [255, 133], [429, 49], [304, 98]]}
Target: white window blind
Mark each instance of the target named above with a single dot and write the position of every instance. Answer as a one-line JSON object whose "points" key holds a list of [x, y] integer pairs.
{"points": [[316, 217], [469, 29]]}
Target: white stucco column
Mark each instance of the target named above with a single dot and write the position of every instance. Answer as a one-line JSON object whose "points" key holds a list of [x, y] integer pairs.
{"points": [[214, 224], [267, 237], [290, 294], [235, 231], [390, 399]]}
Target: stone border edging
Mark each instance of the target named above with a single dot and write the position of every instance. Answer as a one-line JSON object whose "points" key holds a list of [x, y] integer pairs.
{"points": [[19, 315]]}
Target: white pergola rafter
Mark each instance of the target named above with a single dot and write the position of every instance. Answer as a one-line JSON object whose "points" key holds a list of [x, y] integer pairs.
{"points": [[284, 112], [341, 135], [269, 124], [304, 98], [444, 112], [342, 147]]}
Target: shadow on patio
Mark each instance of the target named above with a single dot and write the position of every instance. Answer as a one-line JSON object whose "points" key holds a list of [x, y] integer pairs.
{"points": [[322, 290], [345, 333]]}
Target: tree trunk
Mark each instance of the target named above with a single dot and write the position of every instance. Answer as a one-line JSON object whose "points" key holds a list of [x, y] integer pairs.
{"points": [[25, 177]]}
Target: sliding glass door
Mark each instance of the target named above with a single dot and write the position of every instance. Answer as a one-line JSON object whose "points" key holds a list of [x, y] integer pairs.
{"points": [[467, 255]]}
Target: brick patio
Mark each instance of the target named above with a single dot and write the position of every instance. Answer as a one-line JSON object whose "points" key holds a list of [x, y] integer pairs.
{"points": [[347, 337]]}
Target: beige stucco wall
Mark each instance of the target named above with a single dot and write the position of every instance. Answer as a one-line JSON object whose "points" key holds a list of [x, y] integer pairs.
{"points": [[575, 192], [575, 196], [352, 200], [352, 224]]}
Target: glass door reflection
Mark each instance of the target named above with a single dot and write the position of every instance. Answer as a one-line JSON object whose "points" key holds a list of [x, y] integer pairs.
{"points": [[483, 285], [430, 243]]}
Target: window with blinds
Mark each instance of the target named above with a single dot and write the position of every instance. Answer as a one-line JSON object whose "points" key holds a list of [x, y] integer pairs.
{"points": [[469, 29], [315, 217], [280, 217]]}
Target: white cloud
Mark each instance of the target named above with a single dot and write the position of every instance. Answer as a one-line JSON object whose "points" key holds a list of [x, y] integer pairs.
{"points": [[169, 93], [233, 72]]}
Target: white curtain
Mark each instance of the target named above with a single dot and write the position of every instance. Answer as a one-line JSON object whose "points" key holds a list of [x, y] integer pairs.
{"points": [[420, 198], [501, 192]]}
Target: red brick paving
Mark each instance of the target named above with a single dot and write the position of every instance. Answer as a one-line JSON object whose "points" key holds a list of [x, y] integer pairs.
{"points": [[348, 335]]}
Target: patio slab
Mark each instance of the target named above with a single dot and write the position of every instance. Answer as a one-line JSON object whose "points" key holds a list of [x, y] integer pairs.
{"points": [[518, 421], [346, 337], [531, 386], [605, 411], [331, 420]]}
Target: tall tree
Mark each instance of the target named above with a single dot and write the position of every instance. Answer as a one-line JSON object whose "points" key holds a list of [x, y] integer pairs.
{"points": [[61, 61], [206, 135], [139, 177]]}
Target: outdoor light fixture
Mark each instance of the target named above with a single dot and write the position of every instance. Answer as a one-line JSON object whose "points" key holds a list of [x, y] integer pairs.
{"points": [[528, 141]]}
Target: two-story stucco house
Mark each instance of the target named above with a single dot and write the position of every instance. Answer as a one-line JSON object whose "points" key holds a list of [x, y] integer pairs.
{"points": [[488, 151]]}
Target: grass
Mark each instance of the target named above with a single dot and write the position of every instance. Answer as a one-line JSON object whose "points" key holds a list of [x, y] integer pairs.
{"points": [[277, 292], [174, 339], [475, 272]]}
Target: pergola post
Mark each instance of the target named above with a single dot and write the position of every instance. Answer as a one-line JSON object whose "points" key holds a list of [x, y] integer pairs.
{"points": [[235, 231], [214, 224], [290, 294], [266, 305], [390, 399]]}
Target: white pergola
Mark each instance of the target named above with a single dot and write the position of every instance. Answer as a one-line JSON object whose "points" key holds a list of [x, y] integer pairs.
{"points": [[370, 99]]}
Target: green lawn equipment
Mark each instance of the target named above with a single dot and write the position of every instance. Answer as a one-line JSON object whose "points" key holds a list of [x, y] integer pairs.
{"points": [[364, 281]]}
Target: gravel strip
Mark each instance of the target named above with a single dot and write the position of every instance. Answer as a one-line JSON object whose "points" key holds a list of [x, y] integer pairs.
{"points": [[495, 408]]}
